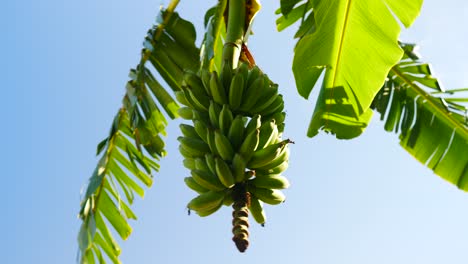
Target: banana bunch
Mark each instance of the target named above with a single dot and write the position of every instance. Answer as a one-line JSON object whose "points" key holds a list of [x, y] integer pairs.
{"points": [[234, 148]]}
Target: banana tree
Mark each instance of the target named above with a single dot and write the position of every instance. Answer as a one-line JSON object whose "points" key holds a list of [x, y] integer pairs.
{"points": [[365, 69]]}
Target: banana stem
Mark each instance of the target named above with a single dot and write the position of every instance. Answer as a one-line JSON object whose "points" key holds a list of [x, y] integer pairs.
{"points": [[240, 217], [235, 31]]}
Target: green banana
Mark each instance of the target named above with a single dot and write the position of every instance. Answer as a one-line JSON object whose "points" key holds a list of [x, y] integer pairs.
{"points": [[238, 167], [194, 146], [206, 201], [250, 144], [268, 134], [180, 96], [207, 180], [214, 111], [201, 100], [254, 123], [254, 73], [276, 106], [226, 74], [185, 112], [267, 99], [268, 196], [192, 104], [252, 94], [276, 170], [185, 153], [201, 130], [236, 90], [270, 182], [228, 199], [242, 70], [205, 76], [224, 173], [279, 117], [189, 163], [200, 164], [210, 211], [225, 119], [282, 158], [236, 132], [256, 208], [223, 146], [264, 156], [201, 116], [188, 131], [212, 142], [195, 84], [192, 184], [210, 161], [217, 90]]}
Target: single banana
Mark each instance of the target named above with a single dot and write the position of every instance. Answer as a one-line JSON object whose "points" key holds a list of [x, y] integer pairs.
{"points": [[264, 156], [254, 73], [279, 117], [236, 132], [252, 94], [268, 134], [201, 116], [189, 163], [225, 119], [282, 158], [217, 90], [276, 106], [200, 164], [212, 142], [206, 213], [188, 131], [264, 102], [205, 76], [276, 170], [226, 74], [194, 83], [192, 184], [224, 173], [254, 123], [243, 70], [185, 112], [228, 199], [201, 100], [201, 130], [223, 146], [256, 208], [210, 161], [194, 105], [207, 180], [206, 201], [214, 111], [236, 90], [185, 153], [270, 182], [250, 144], [196, 147], [238, 167], [268, 196], [180, 96]]}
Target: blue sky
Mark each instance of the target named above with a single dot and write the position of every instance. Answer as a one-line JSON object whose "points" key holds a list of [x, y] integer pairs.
{"points": [[64, 66]]}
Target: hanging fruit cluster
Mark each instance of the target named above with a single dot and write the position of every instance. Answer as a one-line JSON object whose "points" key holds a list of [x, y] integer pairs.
{"points": [[234, 148]]}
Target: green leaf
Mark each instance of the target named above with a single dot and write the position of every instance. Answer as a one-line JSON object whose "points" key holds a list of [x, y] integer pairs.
{"points": [[287, 6], [213, 41], [109, 209], [433, 129], [355, 43]]}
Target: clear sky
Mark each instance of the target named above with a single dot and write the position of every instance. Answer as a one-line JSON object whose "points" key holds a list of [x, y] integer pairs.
{"points": [[64, 65]]}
